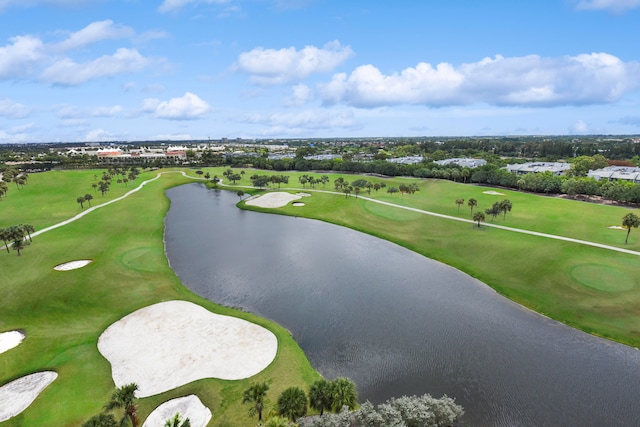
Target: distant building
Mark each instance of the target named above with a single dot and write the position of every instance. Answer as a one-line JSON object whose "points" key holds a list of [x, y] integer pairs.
{"points": [[556, 168], [616, 173], [463, 162], [408, 160]]}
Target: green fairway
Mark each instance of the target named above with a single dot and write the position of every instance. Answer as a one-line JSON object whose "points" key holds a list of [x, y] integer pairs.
{"points": [[64, 313]]}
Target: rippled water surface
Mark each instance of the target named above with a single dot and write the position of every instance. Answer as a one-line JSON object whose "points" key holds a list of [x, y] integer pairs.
{"points": [[398, 323]]}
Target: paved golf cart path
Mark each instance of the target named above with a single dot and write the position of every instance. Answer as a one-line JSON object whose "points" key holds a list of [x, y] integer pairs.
{"points": [[421, 211]]}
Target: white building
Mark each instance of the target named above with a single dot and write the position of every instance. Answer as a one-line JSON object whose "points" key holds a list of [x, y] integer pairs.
{"points": [[463, 162], [615, 173], [556, 168]]}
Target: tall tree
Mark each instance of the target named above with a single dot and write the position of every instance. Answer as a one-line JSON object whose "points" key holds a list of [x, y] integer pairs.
{"points": [[88, 197], [292, 403], [344, 393], [125, 398], [27, 229], [628, 221], [459, 202], [5, 237], [478, 217], [3, 188], [472, 203], [320, 396], [19, 245], [81, 201], [256, 395], [505, 206]]}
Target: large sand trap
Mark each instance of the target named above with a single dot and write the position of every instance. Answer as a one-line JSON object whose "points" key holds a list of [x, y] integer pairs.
{"points": [[173, 343], [17, 395], [72, 265], [9, 340], [276, 199], [188, 407]]}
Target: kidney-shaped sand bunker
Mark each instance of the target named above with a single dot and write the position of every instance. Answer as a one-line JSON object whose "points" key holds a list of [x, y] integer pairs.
{"points": [[173, 343]]}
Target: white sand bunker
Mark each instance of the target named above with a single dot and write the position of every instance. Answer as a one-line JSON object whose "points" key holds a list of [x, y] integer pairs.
{"points": [[9, 340], [276, 199], [188, 407], [297, 204], [17, 395], [72, 265], [616, 227], [173, 343], [493, 193], [304, 194]]}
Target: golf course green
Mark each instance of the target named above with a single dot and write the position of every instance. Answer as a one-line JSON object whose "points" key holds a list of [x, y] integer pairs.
{"points": [[64, 312]]}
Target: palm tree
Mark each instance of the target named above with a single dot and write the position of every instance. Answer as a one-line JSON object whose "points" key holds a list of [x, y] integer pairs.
{"points": [[478, 217], [277, 421], [3, 189], [459, 202], [27, 229], [320, 397], [124, 397], [505, 206], [5, 236], [176, 421], [628, 221], [256, 394], [472, 203], [19, 245], [240, 193], [81, 201], [102, 420], [88, 197], [292, 403], [344, 393]]}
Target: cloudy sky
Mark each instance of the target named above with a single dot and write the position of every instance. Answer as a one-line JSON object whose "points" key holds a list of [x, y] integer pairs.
{"points": [[105, 70]]}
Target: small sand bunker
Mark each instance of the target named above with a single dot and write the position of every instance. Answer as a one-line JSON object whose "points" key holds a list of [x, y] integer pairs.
{"points": [[493, 193], [9, 340], [616, 227], [304, 194], [173, 343], [297, 204], [188, 407], [72, 265], [276, 199], [17, 395]]}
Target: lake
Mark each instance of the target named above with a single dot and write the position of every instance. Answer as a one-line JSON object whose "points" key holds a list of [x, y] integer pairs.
{"points": [[398, 323]]}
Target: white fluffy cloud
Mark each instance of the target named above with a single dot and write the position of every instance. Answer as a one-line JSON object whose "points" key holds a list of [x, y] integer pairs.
{"points": [[271, 66], [519, 81], [616, 6], [20, 56], [68, 72], [171, 5], [187, 107], [13, 110], [107, 111], [30, 58], [95, 32]]}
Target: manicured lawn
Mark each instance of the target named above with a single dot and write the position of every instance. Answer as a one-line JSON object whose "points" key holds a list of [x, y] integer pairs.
{"points": [[63, 313]]}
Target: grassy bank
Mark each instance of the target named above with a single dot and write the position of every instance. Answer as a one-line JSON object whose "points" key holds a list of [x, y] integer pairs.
{"points": [[592, 289], [63, 313]]}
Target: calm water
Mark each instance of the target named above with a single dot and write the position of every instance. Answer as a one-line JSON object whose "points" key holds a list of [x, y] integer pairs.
{"points": [[398, 323]]}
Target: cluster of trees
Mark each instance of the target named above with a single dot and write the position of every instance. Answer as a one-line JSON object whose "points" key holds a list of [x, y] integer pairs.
{"points": [[10, 175], [124, 399], [501, 207], [17, 235], [262, 181], [293, 402], [406, 411], [312, 180], [122, 175], [86, 198]]}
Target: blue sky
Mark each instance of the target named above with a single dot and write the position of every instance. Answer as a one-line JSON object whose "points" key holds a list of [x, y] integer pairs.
{"points": [[130, 70]]}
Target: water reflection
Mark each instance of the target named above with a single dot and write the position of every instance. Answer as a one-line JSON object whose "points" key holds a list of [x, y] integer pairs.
{"points": [[395, 322]]}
